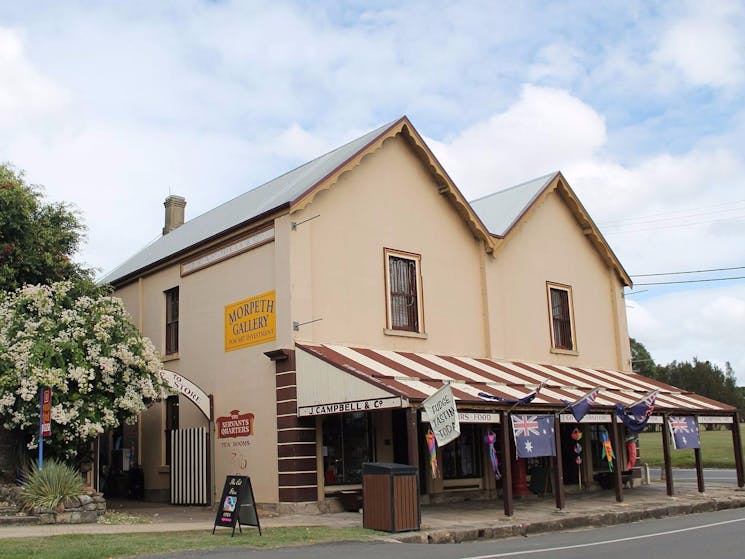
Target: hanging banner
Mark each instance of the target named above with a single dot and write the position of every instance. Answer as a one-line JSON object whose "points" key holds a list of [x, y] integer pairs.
{"points": [[46, 412], [443, 415]]}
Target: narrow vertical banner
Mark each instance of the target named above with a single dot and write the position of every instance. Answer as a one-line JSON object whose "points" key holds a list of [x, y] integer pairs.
{"points": [[45, 421], [46, 412]]}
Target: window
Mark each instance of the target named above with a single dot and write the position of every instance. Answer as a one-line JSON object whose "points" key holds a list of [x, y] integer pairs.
{"points": [[560, 307], [347, 444], [172, 321], [404, 291], [462, 457], [171, 423]]}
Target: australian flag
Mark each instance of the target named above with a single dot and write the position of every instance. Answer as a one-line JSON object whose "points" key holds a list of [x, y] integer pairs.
{"points": [[583, 405], [534, 435], [636, 416], [685, 432]]}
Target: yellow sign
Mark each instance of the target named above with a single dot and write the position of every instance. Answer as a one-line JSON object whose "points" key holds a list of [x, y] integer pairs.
{"points": [[251, 321]]}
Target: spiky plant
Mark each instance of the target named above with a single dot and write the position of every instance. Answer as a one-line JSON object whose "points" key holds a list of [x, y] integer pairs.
{"points": [[48, 487]]}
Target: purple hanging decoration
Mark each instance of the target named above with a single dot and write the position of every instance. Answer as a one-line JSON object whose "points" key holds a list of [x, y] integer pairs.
{"points": [[489, 439]]}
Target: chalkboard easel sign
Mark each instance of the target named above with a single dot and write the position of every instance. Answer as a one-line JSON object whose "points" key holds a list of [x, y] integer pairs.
{"points": [[237, 505]]}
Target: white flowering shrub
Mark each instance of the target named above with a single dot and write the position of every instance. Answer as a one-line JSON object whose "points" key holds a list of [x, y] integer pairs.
{"points": [[101, 370]]}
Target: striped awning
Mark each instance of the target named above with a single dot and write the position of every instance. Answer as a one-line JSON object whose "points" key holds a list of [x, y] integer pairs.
{"points": [[374, 374]]}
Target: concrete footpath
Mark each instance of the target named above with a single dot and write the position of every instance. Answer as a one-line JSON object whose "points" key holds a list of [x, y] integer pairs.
{"points": [[454, 522]]}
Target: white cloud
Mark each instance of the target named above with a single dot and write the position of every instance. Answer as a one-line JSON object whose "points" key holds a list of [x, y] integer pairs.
{"points": [[707, 324], [706, 45], [27, 98], [545, 130]]}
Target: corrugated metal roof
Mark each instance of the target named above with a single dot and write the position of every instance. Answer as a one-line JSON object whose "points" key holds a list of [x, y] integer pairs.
{"points": [[416, 376], [499, 211], [271, 195]]}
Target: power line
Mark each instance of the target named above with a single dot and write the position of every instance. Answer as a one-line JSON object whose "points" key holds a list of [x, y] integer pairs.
{"points": [[689, 272], [673, 213], [690, 281]]}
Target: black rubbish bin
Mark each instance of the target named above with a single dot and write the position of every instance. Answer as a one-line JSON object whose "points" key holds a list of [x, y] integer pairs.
{"points": [[390, 497]]}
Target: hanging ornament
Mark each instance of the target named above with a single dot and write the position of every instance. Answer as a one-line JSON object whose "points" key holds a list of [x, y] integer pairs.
{"points": [[577, 435], [432, 448], [606, 449], [489, 439]]}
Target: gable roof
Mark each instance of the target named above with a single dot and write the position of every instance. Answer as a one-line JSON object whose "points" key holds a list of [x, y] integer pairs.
{"points": [[503, 210], [292, 191], [250, 205]]}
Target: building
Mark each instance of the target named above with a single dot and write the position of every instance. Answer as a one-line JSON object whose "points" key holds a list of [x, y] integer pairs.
{"points": [[308, 318]]}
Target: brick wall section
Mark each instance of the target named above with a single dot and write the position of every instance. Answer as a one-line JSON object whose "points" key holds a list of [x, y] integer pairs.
{"points": [[296, 439]]}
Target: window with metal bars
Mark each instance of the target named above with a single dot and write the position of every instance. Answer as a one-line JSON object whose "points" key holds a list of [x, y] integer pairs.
{"points": [[403, 282], [561, 318], [172, 321]]}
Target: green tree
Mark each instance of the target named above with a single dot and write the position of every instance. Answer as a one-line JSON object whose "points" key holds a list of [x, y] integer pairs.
{"points": [[37, 239], [641, 360], [705, 378]]}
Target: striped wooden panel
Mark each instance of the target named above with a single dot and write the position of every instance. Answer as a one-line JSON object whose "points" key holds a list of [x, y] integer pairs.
{"points": [[189, 473]]}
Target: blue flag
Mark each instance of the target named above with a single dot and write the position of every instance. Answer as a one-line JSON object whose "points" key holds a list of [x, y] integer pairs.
{"points": [[583, 405], [636, 416], [534, 435], [685, 432]]}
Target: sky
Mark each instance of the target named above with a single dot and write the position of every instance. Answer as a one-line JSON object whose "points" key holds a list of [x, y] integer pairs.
{"points": [[112, 106]]}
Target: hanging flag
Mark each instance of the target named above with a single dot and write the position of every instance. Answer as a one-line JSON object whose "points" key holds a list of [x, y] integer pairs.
{"points": [[534, 435], [432, 449], [631, 452], [606, 449], [583, 405], [515, 401], [685, 432], [636, 416], [489, 439]]}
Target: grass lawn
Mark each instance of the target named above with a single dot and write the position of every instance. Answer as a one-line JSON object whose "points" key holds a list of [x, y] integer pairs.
{"points": [[89, 546], [716, 450]]}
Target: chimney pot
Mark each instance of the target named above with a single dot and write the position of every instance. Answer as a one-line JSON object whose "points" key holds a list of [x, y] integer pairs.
{"points": [[174, 213]]}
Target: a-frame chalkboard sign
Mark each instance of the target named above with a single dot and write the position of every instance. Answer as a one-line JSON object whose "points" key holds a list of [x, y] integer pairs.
{"points": [[237, 505]]}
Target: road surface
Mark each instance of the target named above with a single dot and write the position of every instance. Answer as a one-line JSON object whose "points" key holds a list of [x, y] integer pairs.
{"points": [[715, 535]]}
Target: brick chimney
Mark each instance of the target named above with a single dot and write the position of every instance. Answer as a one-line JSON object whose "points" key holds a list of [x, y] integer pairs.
{"points": [[174, 213]]}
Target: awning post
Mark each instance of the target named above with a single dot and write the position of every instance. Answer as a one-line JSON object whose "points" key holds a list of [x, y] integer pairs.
{"points": [[737, 444], [615, 441], [559, 467], [666, 455], [411, 437], [507, 469]]}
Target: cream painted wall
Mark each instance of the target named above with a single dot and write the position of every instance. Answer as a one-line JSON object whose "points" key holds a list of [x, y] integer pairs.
{"points": [[240, 380], [550, 246], [388, 201]]}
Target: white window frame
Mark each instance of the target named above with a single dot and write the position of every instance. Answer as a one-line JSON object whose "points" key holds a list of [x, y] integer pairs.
{"points": [[417, 259], [570, 302]]}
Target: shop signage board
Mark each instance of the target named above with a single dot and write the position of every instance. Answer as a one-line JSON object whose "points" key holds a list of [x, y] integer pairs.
{"points": [[472, 417], [237, 505], [188, 389], [236, 424], [370, 404], [251, 321], [443, 415]]}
